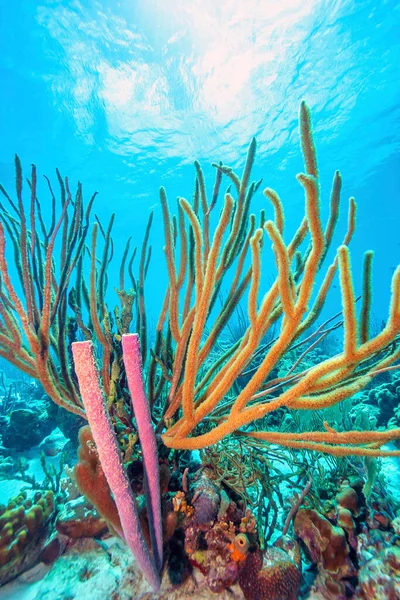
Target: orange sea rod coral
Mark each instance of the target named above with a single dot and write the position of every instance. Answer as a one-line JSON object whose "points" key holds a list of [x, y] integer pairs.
{"points": [[201, 403], [202, 392]]}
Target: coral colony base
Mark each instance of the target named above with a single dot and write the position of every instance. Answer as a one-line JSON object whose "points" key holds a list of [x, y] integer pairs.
{"points": [[232, 451]]}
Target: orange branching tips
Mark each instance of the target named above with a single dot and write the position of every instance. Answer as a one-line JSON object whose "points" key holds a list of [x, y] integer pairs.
{"points": [[205, 399]]}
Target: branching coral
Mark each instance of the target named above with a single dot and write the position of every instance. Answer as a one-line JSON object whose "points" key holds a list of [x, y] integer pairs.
{"points": [[197, 397], [56, 306], [200, 390], [200, 397], [34, 329]]}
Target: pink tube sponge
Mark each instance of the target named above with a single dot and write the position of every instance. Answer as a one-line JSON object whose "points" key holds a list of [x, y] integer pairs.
{"points": [[133, 369], [110, 457]]}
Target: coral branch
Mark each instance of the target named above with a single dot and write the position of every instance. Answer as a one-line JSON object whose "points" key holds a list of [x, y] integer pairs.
{"points": [[213, 396]]}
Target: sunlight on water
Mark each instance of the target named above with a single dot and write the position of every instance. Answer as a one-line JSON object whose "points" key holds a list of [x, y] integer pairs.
{"points": [[246, 411]]}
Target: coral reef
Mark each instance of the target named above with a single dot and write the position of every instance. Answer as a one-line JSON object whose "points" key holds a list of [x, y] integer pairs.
{"points": [[25, 428], [328, 549], [349, 544], [88, 571], [379, 578], [255, 406], [270, 575], [24, 525], [78, 518], [220, 539]]}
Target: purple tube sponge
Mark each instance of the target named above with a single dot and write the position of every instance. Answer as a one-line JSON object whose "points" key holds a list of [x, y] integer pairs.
{"points": [[133, 369], [110, 458]]}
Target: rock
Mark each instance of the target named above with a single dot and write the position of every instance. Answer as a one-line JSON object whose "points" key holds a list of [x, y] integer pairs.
{"points": [[379, 578], [3, 423], [7, 466], [78, 518], [26, 428], [205, 500], [53, 548], [53, 444], [90, 572], [68, 423]]}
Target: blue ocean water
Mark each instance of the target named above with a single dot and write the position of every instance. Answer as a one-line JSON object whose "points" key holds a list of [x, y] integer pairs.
{"points": [[125, 95]]}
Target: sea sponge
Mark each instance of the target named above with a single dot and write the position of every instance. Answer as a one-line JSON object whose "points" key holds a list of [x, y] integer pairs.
{"points": [[92, 482], [326, 544], [348, 498], [327, 547], [78, 518], [345, 520], [239, 547], [269, 575]]}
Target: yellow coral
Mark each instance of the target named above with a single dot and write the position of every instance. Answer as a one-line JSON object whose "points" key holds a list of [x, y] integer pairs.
{"points": [[181, 505]]}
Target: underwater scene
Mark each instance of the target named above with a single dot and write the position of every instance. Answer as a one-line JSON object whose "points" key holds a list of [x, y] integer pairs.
{"points": [[200, 300]]}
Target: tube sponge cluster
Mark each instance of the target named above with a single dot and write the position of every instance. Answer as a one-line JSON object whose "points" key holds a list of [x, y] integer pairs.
{"points": [[109, 455]]}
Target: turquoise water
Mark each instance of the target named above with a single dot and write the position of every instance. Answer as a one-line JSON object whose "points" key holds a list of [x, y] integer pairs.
{"points": [[125, 95]]}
